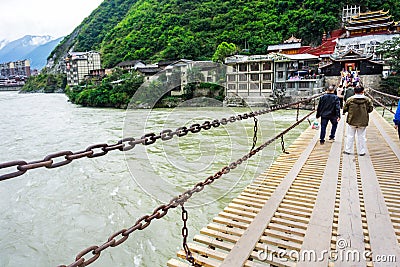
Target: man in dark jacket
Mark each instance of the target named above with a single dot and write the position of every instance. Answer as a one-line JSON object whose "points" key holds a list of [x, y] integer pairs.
{"points": [[349, 92], [329, 110], [358, 106]]}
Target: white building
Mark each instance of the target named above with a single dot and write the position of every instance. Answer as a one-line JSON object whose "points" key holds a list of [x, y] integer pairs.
{"points": [[257, 78], [250, 77], [79, 65]]}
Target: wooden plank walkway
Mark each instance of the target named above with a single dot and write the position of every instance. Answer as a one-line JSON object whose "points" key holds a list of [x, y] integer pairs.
{"points": [[313, 207]]}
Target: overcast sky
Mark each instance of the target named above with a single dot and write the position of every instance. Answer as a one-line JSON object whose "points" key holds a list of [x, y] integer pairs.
{"points": [[42, 17]]}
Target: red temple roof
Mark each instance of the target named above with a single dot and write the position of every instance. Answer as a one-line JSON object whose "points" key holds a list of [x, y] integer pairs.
{"points": [[327, 46]]}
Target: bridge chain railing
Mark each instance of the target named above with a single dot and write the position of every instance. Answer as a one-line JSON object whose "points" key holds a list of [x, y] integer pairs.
{"points": [[121, 236], [125, 144], [380, 103]]}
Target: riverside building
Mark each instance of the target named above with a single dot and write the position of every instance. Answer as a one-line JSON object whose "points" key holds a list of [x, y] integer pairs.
{"points": [[81, 64], [15, 68]]}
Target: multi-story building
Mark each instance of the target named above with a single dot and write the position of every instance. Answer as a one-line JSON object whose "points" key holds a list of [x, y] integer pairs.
{"points": [[80, 64], [257, 78], [296, 75], [250, 77], [17, 68], [184, 71]]}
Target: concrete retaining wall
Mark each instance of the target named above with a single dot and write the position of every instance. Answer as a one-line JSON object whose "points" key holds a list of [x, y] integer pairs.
{"points": [[367, 80]]}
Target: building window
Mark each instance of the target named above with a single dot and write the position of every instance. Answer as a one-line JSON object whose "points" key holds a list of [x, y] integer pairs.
{"points": [[254, 86], [266, 76], [242, 86], [280, 85], [290, 85], [266, 66], [231, 78], [232, 87], [303, 84], [254, 67], [242, 67], [242, 77], [280, 65], [231, 68], [266, 86], [280, 74], [254, 77]]}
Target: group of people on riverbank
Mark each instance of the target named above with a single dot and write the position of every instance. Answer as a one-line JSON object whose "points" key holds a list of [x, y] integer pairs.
{"points": [[357, 105]]}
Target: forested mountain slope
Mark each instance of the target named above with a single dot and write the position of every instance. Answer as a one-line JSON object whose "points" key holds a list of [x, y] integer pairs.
{"points": [[169, 29]]}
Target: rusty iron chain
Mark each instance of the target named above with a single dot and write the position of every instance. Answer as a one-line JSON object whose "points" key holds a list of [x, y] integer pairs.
{"points": [[384, 94], [255, 130], [185, 234], [283, 146], [162, 210], [62, 158], [379, 103]]}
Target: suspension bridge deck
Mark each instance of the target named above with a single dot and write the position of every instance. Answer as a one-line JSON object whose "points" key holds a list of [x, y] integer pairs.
{"points": [[313, 207]]}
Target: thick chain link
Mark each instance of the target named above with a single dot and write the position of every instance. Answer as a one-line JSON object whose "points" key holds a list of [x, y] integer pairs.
{"points": [[162, 210], [255, 130], [185, 234], [97, 150]]}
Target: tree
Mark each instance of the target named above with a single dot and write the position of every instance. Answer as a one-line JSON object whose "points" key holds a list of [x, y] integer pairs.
{"points": [[391, 52], [224, 50]]}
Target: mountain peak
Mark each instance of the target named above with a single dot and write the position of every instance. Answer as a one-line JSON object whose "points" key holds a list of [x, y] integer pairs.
{"points": [[32, 47], [34, 40]]}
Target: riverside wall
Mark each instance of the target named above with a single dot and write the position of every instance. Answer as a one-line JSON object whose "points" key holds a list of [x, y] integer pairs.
{"points": [[10, 88], [371, 81]]}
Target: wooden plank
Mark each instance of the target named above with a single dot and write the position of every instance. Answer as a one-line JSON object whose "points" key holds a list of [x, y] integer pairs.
{"points": [[378, 122], [224, 229], [219, 235], [200, 259], [382, 235], [289, 223], [218, 255], [212, 242], [244, 246], [350, 235], [319, 229], [235, 217], [286, 229], [207, 252], [279, 243], [230, 223], [176, 263]]}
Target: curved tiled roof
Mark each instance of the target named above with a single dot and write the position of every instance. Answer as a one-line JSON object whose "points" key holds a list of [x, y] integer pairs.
{"points": [[371, 13]]}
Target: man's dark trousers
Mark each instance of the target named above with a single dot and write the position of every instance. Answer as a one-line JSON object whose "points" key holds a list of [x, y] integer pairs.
{"points": [[324, 123]]}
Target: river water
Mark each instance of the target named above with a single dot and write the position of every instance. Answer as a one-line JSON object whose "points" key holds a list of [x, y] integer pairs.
{"points": [[49, 215]]}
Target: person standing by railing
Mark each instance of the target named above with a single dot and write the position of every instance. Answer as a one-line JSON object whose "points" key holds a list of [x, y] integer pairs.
{"points": [[396, 119], [358, 106]]}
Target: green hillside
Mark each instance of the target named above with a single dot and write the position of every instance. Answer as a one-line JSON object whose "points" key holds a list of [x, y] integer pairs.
{"points": [[155, 30]]}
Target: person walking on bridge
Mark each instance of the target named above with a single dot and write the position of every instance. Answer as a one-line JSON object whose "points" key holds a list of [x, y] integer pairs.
{"points": [[329, 110], [358, 106], [396, 119]]}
